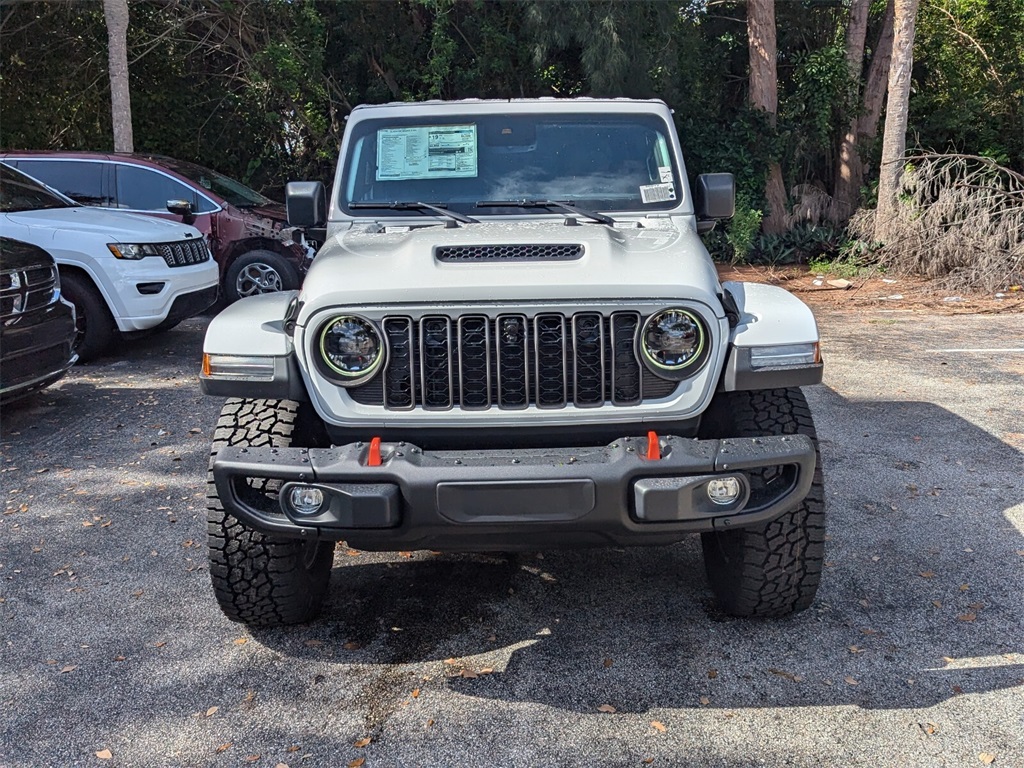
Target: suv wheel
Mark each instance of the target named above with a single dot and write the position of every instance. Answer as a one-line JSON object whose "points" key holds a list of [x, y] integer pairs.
{"points": [[94, 325], [258, 578], [257, 272], [772, 569]]}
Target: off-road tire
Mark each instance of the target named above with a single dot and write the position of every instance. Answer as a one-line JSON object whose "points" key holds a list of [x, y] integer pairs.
{"points": [[260, 579], [259, 271], [95, 329], [768, 570]]}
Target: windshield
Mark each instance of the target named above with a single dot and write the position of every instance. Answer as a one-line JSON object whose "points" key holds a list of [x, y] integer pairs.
{"points": [[19, 192], [235, 192], [602, 162]]}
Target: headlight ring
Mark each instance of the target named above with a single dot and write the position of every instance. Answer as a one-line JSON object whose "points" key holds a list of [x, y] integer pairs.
{"points": [[673, 343], [351, 349]]}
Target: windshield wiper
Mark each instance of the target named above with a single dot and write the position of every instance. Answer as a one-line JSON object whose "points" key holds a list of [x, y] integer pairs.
{"points": [[563, 206], [417, 206]]}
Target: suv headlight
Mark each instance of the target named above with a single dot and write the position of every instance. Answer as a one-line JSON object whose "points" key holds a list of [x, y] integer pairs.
{"points": [[673, 343], [351, 347], [133, 252]]}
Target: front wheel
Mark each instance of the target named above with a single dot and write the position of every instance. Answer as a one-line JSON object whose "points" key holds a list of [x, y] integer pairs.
{"points": [[258, 578], [772, 569], [259, 271], [94, 325]]}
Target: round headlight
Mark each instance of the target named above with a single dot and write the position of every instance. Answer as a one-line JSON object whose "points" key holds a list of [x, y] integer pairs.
{"points": [[351, 347], [672, 340]]}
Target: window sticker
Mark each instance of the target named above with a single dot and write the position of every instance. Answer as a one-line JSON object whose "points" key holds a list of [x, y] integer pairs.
{"points": [[665, 173], [426, 152], [657, 193]]}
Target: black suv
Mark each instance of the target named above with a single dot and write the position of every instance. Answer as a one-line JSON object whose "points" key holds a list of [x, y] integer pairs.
{"points": [[37, 327]]}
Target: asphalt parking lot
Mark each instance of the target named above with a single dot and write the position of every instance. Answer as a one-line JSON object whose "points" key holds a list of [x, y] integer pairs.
{"points": [[113, 651]]}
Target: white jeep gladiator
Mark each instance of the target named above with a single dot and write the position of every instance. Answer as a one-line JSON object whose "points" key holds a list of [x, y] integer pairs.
{"points": [[512, 338]]}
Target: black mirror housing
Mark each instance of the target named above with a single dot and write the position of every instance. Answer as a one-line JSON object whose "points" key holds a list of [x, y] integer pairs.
{"points": [[306, 202], [715, 196], [181, 208]]}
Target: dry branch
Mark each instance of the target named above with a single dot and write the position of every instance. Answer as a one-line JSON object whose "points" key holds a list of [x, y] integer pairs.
{"points": [[960, 219]]}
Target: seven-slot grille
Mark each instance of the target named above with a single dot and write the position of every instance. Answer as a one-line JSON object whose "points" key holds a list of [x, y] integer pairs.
{"points": [[533, 252], [184, 252], [511, 361], [23, 290]]}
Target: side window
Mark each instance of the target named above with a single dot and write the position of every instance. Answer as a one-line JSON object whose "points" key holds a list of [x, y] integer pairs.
{"points": [[143, 189], [81, 181]]}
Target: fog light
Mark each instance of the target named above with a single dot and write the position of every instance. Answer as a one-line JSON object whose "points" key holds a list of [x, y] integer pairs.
{"points": [[724, 490], [305, 500]]}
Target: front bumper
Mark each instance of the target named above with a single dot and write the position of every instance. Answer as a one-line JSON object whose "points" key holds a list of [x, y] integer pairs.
{"points": [[519, 499]]}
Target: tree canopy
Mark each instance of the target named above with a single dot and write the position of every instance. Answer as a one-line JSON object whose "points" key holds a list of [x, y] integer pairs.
{"points": [[259, 89]]}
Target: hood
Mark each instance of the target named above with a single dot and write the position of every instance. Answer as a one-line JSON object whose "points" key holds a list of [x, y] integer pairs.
{"points": [[664, 258], [112, 226], [274, 211]]}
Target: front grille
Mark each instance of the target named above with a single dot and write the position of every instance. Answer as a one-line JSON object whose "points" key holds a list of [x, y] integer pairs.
{"points": [[184, 252], [556, 252], [512, 361], [24, 290]]}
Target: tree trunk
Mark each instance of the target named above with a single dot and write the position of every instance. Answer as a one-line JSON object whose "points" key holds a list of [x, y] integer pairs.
{"points": [[844, 200], [764, 95], [116, 14], [894, 139], [878, 78]]}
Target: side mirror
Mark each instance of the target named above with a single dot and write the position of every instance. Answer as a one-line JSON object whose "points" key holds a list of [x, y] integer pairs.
{"points": [[306, 203], [715, 196], [181, 208]]}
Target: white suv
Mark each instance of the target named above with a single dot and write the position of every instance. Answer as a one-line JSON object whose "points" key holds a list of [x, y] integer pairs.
{"points": [[124, 273]]}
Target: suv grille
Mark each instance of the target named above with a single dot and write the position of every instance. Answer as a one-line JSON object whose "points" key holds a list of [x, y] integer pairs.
{"points": [[24, 290], [557, 252], [184, 252], [512, 361]]}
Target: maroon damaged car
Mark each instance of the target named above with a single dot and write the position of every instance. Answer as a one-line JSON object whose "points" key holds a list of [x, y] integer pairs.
{"points": [[256, 250]]}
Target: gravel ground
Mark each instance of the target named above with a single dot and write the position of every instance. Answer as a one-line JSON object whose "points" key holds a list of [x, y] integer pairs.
{"points": [[114, 653]]}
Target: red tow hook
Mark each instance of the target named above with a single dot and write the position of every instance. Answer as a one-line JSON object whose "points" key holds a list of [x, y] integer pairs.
{"points": [[373, 455], [653, 446]]}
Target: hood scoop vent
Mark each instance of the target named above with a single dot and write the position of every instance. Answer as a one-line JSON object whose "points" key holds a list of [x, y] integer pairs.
{"points": [[529, 252]]}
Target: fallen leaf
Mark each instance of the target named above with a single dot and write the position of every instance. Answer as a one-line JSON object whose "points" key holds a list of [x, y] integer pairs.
{"points": [[69, 668], [487, 671], [353, 552], [856, 649], [357, 762], [161, 644], [851, 680], [251, 758], [937, 603], [704, 701], [415, 693], [608, 663], [137, 593], [363, 742], [468, 673], [430, 723], [451, 661], [352, 645], [964, 587], [987, 758], [927, 574], [712, 674], [293, 748], [240, 640], [648, 760], [929, 728], [281, 765], [119, 658], [957, 689], [405, 554], [211, 710], [104, 754], [608, 709], [313, 643], [785, 674], [967, 617], [223, 747]]}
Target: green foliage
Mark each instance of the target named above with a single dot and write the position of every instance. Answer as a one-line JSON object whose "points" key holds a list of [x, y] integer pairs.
{"points": [[802, 244], [259, 89]]}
